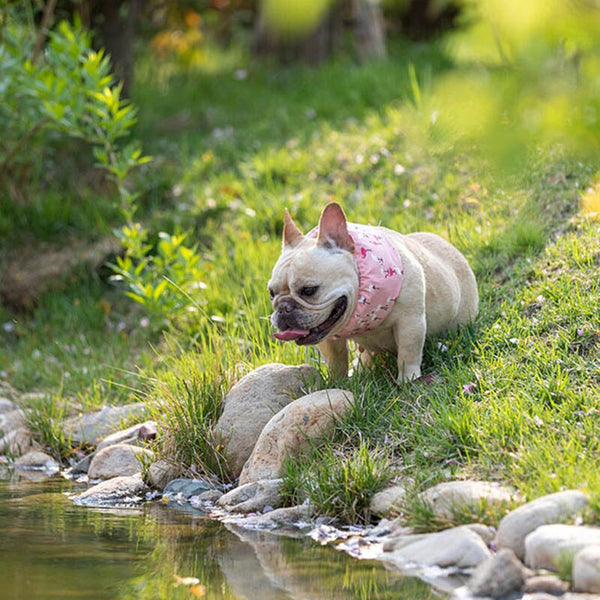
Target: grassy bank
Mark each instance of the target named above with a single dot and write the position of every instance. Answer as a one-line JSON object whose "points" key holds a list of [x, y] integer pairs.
{"points": [[514, 398]]}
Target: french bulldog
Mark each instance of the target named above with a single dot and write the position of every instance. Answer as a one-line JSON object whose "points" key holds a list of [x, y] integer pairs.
{"points": [[385, 290]]}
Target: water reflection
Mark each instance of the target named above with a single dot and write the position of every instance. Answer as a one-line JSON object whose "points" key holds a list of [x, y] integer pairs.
{"points": [[50, 548]]}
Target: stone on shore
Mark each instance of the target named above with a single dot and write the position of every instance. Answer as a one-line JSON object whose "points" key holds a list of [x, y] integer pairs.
{"points": [[134, 435], [548, 545], [119, 491], [36, 460], [387, 501], [517, 524], [118, 460], [293, 429], [291, 516], [16, 442], [253, 401], [457, 547], [450, 498], [186, 488], [12, 420], [253, 497], [499, 576], [547, 584], [6, 405], [586, 570], [161, 473], [91, 428]]}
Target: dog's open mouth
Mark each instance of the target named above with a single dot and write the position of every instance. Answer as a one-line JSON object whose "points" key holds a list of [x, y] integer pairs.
{"points": [[305, 337]]}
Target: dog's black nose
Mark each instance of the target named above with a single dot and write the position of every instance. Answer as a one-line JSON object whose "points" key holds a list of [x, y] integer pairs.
{"points": [[286, 306]]}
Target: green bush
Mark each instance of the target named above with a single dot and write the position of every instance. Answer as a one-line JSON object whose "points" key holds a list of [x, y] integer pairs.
{"points": [[68, 92]]}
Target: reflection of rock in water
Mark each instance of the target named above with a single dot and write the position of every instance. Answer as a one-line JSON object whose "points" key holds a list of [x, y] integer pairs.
{"points": [[245, 575], [286, 568]]}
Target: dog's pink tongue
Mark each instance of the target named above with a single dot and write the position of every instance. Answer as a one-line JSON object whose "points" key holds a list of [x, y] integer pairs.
{"points": [[290, 334]]}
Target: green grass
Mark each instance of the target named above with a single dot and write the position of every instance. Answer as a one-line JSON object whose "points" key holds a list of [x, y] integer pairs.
{"points": [[515, 397]]}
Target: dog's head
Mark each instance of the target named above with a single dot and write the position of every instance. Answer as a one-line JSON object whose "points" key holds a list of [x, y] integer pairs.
{"points": [[314, 284]]}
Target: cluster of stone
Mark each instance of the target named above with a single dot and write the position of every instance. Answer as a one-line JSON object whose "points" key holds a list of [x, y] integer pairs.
{"points": [[274, 413]]}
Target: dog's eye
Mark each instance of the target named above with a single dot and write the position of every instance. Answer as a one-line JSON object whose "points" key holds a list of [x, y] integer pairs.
{"points": [[271, 294], [309, 291]]}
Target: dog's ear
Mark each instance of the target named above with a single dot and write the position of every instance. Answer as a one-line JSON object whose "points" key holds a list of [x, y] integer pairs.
{"points": [[292, 236], [333, 229]]}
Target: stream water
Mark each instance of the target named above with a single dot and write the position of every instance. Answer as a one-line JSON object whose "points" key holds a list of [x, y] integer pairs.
{"points": [[52, 549]]}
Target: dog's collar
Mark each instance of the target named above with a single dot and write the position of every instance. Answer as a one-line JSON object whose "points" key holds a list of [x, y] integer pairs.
{"points": [[380, 279]]}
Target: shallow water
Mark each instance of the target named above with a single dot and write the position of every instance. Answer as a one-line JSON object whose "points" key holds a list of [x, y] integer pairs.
{"points": [[50, 548]]}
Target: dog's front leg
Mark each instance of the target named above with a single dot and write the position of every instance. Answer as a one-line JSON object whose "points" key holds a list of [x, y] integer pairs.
{"points": [[409, 334], [336, 355]]}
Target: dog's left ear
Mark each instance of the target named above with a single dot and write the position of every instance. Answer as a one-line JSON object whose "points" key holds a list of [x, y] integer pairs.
{"points": [[333, 229], [292, 235]]}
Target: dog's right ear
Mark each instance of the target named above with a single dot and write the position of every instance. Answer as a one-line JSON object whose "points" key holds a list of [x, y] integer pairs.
{"points": [[292, 236]]}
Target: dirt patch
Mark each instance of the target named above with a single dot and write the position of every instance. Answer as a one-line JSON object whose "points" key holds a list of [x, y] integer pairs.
{"points": [[28, 272]]}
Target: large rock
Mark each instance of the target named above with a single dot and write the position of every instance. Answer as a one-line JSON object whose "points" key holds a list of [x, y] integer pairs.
{"points": [[586, 570], [6, 405], [457, 547], [498, 576], [161, 473], [186, 488], [253, 497], [16, 442], [450, 498], [118, 460], [119, 491], [38, 461], [517, 524], [252, 402], [136, 434], [291, 516], [293, 429], [548, 545], [11, 421], [90, 428], [387, 501]]}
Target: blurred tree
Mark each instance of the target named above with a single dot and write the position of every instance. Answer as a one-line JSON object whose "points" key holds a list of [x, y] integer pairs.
{"points": [[312, 30]]}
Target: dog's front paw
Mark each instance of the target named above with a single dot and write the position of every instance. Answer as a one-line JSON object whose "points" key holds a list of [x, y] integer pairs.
{"points": [[409, 373]]}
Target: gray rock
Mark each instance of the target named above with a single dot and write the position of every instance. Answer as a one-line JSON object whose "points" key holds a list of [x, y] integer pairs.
{"points": [[118, 460], [387, 501], [7, 391], [498, 576], [291, 516], [12, 420], [90, 428], [548, 545], [83, 465], [210, 496], [36, 460], [161, 472], [455, 497], [16, 442], [6, 405], [186, 488], [131, 435], [252, 402], [586, 570], [292, 429], [517, 524], [253, 497], [457, 547], [547, 584], [119, 491], [485, 532]]}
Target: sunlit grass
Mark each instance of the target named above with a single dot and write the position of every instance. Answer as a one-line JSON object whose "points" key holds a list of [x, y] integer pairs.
{"points": [[514, 397]]}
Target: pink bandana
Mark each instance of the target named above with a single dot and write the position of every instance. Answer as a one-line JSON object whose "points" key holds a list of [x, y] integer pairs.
{"points": [[380, 279]]}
